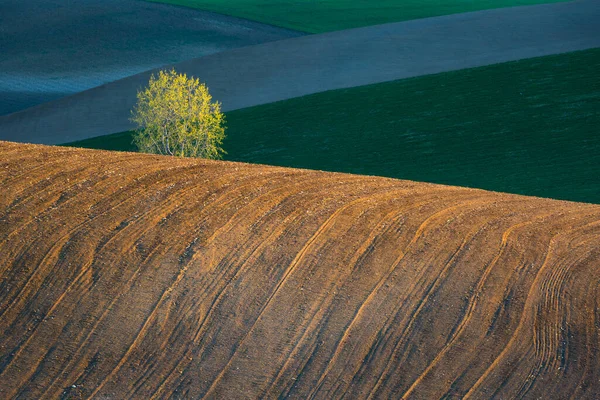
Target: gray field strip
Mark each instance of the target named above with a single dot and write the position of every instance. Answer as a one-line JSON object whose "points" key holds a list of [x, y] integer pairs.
{"points": [[299, 66], [53, 48]]}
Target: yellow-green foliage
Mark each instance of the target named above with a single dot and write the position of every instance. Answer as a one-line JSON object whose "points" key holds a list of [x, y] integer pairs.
{"points": [[176, 116]]}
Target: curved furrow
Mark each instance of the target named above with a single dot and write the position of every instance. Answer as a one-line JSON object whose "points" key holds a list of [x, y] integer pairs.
{"points": [[254, 252], [321, 304], [136, 276], [59, 243], [168, 211], [589, 315], [548, 316], [165, 293], [113, 208], [552, 327], [20, 168], [289, 270], [408, 281], [383, 226], [472, 302], [109, 199], [210, 239], [458, 295], [125, 231], [525, 320], [360, 312], [488, 292]]}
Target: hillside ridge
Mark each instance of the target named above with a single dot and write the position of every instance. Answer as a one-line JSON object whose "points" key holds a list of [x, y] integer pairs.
{"points": [[125, 275]]}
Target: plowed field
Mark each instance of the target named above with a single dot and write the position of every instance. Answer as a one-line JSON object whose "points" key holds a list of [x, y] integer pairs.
{"points": [[133, 276]]}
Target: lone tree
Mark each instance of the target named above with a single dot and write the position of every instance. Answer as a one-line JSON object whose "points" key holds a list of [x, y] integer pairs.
{"points": [[176, 116]]}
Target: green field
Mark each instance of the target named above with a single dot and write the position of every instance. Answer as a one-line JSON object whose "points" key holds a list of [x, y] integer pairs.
{"points": [[528, 127], [330, 15]]}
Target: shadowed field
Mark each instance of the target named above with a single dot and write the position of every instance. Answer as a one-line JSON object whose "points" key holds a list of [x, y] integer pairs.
{"points": [[54, 48], [296, 67], [135, 276], [331, 15], [527, 127]]}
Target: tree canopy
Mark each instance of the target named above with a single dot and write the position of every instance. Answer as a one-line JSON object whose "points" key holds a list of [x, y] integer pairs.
{"points": [[176, 116]]}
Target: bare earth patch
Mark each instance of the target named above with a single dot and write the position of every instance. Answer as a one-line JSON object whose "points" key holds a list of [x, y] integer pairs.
{"points": [[136, 276]]}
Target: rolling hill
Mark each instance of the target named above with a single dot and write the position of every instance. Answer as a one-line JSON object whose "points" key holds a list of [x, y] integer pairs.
{"points": [[526, 127], [84, 44], [310, 64], [332, 15], [137, 276]]}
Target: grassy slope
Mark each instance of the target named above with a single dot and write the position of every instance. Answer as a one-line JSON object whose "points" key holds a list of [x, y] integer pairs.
{"points": [[330, 15], [527, 127]]}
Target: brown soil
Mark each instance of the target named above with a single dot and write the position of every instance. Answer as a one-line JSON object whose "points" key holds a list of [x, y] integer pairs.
{"points": [[135, 276]]}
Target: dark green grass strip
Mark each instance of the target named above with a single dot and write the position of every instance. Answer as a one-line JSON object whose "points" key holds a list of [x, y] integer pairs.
{"points": [[329, 15], [528, 127], [122, 141]]}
